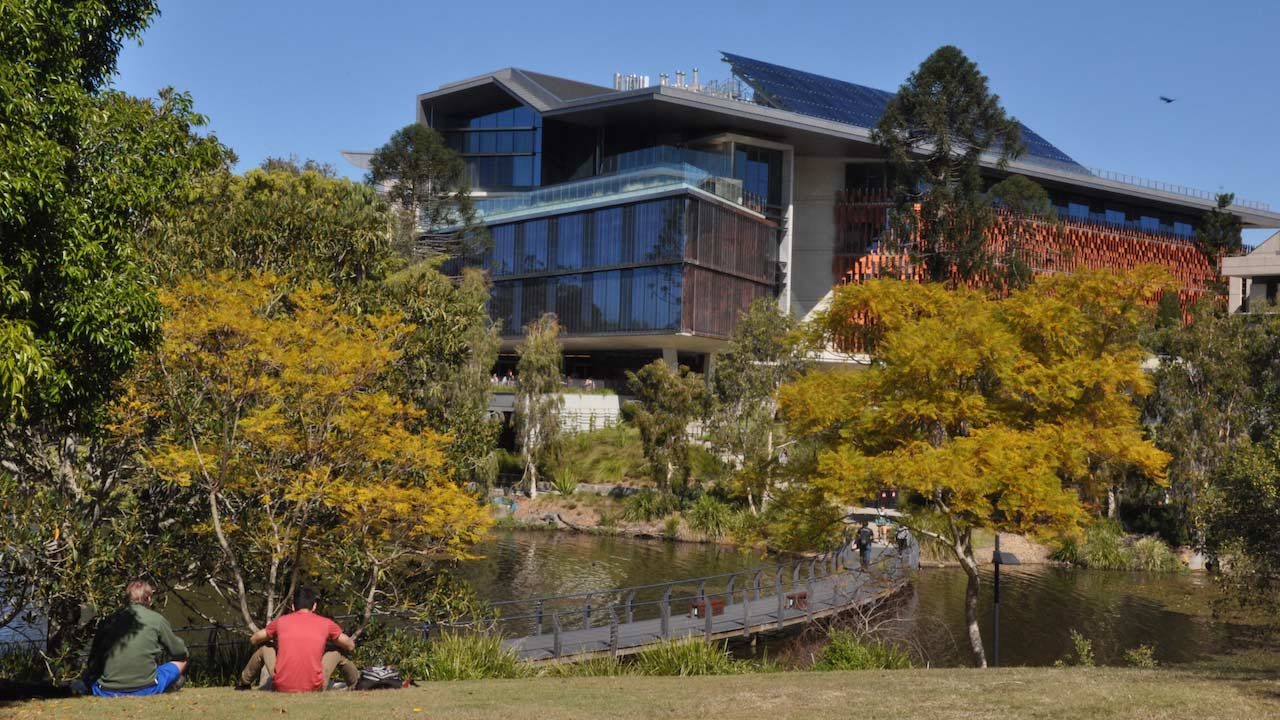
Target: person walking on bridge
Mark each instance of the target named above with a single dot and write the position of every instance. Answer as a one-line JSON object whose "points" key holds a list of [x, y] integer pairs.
{"points": [[863, 540]]}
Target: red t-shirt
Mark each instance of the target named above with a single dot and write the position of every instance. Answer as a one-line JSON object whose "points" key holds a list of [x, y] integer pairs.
{"points": [[300, 644]]}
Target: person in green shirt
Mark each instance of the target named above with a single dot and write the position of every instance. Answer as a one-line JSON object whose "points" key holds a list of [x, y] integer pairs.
{"points": [[129, 651]]}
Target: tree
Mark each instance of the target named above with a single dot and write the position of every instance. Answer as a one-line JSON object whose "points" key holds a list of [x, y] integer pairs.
{"points": [[1219, 231], [83, 172], [298, 463], [1029, 210], [294, 220], [1216, 389], [1241, 519], [667, 400], [935, 132], [446, 361], [1003, 414], [766, 351], [538, 400], [427, 183]]}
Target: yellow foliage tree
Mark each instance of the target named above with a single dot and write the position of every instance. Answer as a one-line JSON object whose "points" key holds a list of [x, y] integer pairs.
{"points": [[1008, 414], [296, 463]]}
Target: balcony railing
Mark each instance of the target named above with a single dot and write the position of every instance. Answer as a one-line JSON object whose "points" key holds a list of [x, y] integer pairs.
{"points": [[644, 179], [1141, 182]]}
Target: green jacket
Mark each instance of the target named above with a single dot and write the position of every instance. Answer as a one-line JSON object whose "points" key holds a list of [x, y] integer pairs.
{"points": [[129, 646]]}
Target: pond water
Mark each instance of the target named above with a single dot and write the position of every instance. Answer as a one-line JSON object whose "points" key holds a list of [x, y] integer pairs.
{"points": [[1039, 606]]}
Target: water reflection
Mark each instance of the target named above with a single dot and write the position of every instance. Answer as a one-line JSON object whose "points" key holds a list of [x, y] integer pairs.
{"points": [[1039, 605]]}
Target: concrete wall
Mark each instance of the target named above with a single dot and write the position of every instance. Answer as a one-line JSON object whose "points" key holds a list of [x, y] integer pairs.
{"points": [[813, 234], [580, 413]]}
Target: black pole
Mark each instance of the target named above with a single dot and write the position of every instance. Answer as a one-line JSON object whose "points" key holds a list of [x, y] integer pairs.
{"points": [[995, 645]]}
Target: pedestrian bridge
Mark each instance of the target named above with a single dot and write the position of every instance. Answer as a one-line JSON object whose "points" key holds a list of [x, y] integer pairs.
{"points": [[622, 621]]}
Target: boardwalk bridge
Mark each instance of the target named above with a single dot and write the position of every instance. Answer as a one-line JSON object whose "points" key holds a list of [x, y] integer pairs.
{"points": [[622, 621]]}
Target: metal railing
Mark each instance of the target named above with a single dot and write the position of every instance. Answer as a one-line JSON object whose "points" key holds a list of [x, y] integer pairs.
{"points": [[1135, 181], [707, 600]]}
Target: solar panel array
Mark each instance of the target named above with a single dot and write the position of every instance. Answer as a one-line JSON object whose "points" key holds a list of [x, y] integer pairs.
{"points": [[818, 96]]}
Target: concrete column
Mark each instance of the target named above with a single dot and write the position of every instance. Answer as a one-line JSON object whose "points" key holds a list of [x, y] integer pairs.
{"points": [[709, 366], [670, 358], [1235, 293]]}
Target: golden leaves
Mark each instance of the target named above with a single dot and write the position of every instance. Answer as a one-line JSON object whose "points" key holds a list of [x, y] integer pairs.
{"points": [[1008, 411]]}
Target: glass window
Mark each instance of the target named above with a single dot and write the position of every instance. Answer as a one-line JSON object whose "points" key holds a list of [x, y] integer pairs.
{"points": [[522, 171], [535, 246], [607, 236], [502, 172], [1079, 210], [522, 141], [504, 249], [1183, 228], [503, 141], [1147, 222], [487, 141], [1116, 217], [569, 241]]}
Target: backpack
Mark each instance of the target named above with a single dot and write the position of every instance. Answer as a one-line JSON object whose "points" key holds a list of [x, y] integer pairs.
{"points": [[864, 536], [382, 677]]}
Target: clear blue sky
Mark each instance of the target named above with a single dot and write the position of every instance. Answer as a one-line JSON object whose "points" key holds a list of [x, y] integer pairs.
{"points": [[312, 77]]}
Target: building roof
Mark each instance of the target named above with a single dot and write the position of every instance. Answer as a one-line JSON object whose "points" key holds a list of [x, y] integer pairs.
{"points": [[814, 114], [842, 101]]}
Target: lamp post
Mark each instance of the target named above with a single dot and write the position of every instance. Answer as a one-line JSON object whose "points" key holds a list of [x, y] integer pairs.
{"points": [[999, 558]]}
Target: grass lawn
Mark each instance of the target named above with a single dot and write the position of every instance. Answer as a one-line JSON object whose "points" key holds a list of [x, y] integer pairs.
{"points": [[1199, 693]]}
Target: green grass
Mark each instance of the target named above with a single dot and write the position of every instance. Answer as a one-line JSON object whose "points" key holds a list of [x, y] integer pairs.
{"points": [[1070, 693], [609, 455]]}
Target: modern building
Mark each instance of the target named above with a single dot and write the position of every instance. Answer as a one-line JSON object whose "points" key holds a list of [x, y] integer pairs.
{"points": [[1253, 280], [647, 215]]}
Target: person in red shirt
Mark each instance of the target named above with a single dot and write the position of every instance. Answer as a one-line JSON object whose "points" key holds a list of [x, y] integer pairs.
{"points": [[302, 659]]}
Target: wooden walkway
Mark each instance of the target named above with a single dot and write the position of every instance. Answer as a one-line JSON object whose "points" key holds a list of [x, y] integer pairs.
{"points": [[744, 604]]}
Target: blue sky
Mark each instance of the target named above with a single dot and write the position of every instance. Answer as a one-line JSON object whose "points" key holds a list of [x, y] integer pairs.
{"points": [[310, 78]]}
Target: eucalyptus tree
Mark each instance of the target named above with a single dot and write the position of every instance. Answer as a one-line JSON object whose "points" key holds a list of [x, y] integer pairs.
{"points": [[539, 381], [767, 349]]}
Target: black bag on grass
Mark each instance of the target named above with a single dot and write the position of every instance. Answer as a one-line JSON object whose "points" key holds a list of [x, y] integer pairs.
{"points": [[382, 677]]}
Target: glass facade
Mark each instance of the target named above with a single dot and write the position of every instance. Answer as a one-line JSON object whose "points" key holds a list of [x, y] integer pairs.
{"points": [[502, 150], [624, 268]]}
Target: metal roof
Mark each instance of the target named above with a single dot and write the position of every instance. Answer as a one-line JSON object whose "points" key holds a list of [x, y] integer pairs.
{"points": [[842, 101]]}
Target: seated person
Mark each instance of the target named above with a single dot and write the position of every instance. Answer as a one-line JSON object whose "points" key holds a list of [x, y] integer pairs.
{"points": [[301, 661], [129, 649]]}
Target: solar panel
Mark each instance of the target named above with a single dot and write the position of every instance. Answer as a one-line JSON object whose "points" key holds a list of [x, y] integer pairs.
{"points": [[818, 96]]}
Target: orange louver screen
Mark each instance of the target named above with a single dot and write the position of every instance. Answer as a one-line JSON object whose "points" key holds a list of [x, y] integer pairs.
{"points": [[863, 234]]}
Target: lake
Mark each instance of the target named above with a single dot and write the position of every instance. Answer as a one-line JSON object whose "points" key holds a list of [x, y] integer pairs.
{"points": [[1040, 605]]}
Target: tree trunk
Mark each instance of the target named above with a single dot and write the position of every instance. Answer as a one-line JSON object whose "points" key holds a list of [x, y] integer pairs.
{"points": [[1113, 502], [531, 474], [964, 552]]}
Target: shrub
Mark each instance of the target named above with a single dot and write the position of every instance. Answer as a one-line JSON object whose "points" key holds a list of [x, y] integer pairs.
{"points": [[1081, 653], [457, 656], [709, 516], [844, 651], [688, 657], [565, 483], [448, 656], [1153, 555], [647, 505], [1106, 547], [671, 528], [1143, 656]]}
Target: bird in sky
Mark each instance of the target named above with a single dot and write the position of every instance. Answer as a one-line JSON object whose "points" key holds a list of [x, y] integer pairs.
{"points": [[1167, 99]]}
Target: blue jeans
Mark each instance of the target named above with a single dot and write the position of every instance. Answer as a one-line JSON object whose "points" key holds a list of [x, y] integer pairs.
{"points": [[166, 675], [864, 554]]}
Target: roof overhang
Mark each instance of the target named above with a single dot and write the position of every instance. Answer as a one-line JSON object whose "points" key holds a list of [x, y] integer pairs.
{"points": [[702, 113]]}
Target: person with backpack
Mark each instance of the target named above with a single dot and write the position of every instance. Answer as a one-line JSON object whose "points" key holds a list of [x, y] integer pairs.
{"points": [[863, 540], [303, 657]]}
